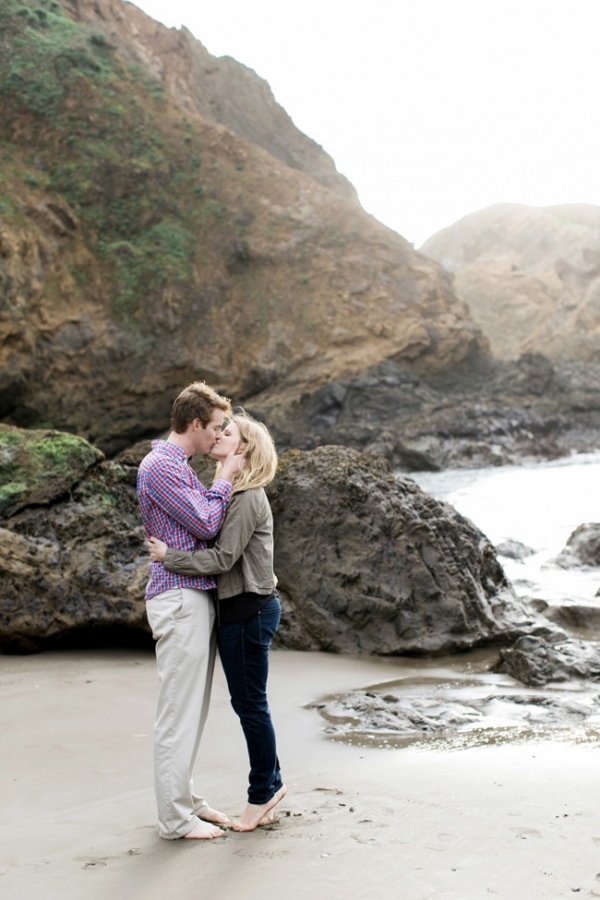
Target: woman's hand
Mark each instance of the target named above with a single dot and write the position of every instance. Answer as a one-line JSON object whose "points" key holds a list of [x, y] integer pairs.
{"points": [[158, 549]]}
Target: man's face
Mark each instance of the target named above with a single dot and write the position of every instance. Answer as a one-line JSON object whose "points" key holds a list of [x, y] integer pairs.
{"points": [[205, 438]]}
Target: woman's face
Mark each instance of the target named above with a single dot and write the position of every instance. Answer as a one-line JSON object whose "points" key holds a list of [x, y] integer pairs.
{"points": [[227, 441]]}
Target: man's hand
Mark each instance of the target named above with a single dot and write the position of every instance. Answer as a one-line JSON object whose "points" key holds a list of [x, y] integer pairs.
{"points": [[158, 549], [231, 466]]}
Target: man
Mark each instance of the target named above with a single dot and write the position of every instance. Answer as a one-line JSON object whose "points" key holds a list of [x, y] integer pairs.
{"points": [[178, 509]]}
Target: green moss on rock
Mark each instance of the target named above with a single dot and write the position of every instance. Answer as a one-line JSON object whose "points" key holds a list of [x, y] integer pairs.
{"points": [[39, 466]]}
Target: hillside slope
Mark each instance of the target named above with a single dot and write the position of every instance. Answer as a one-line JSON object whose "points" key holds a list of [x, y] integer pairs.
{"points": [[531, 277], [144, 244]]}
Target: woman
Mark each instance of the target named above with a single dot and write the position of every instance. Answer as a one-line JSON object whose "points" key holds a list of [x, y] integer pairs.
{"points": [[248, 608]]}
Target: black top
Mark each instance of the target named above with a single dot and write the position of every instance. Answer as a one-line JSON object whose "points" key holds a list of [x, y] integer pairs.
{"points": [[240, 608]]}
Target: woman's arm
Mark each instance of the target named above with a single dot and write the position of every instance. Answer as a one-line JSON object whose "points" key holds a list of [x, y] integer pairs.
{"points": [[235, 534]]}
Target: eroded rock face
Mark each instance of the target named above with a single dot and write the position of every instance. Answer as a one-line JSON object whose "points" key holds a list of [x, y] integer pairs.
{"points": [[512, 549], [73, 571], [366, 563], [582, 549], [531, 277], [480, 413], [369, 563], [150, 244], [538, 659], [39, 467], [577, 618], [220, 89], [460, 716], [177, 227]]}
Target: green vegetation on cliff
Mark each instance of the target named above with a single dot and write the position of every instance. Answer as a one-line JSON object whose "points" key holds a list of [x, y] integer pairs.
{"points": [[77, 121]]}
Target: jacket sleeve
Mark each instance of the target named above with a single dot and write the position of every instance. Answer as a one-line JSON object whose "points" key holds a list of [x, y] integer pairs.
{"points": [[235, 534]]}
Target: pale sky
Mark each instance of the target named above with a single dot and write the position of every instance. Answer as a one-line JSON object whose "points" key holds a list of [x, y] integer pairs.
{"points": [[432, 108]]}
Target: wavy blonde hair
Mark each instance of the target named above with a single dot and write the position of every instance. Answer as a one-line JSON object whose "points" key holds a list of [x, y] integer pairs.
{"points": [[259, 450]]}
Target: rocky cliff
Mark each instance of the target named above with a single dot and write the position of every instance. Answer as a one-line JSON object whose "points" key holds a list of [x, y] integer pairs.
{"points": [[531, 277], [366, 563], [150, 237], [220, 89]]}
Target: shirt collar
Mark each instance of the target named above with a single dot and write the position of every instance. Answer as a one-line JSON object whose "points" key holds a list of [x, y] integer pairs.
{"points": [[170, 448]]}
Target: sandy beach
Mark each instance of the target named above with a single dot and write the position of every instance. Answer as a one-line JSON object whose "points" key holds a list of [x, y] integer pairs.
{"points": [[518, 821]]}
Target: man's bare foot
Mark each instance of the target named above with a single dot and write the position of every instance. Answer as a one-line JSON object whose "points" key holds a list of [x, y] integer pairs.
{"points": [[254, 814], [207, 814], [204, 831]]}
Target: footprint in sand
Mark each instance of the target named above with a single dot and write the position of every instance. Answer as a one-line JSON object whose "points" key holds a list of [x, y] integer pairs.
{"points": [[525, 833], [261, 854], [441, 841], [362, 840]]}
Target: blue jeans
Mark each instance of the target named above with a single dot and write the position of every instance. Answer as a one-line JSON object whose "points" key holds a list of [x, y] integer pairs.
{"points": [[244, 651]]}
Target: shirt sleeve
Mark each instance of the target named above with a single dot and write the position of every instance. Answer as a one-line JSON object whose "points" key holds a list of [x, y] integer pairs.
{"points": [[200, 511], [237, 530]]}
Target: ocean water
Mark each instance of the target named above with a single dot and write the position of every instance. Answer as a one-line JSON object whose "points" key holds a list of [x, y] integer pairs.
{"points": [[539, 505]]}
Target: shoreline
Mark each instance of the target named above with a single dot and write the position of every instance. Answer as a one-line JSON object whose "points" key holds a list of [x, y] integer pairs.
{"points": [[512, 820]]}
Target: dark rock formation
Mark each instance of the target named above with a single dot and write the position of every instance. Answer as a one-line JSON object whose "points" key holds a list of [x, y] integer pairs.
{"points": [[531, 277], [39, 467], [582, 549], [366, 563], [537, 660], [514, 550], [579, 619], [372, 564], [398, 714], [482, 413], [74, 563]]}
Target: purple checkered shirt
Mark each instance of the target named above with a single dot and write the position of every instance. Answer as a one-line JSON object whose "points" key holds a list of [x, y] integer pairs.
{"points": [[177, 509]]}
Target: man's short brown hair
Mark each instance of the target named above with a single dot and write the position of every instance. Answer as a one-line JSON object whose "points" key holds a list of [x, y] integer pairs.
{"points": [[197, 401]]}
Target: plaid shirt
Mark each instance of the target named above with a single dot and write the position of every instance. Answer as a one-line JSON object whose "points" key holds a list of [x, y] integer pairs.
{"points": [[177, 509]]}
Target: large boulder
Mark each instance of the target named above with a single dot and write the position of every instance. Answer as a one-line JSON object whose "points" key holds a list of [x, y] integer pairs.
{"points": [[582, 548], [40, 466], [74, 564], [367, 563], [370, 563], [541, 659]]}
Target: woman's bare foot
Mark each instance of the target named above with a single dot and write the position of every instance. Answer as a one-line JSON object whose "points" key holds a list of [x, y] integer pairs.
{"points": [[204, 831], [255, 815], [269, 817], [207, 814]]}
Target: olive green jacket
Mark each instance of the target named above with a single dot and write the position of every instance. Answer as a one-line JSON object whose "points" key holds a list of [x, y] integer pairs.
{"points": [[242, 556]]}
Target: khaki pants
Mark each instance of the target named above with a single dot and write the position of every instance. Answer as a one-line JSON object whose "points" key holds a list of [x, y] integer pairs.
{"points": [[182, 623]]}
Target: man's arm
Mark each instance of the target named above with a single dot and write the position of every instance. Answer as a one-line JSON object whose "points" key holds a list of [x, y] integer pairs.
{"points": [[235, 534], [200, 511]]}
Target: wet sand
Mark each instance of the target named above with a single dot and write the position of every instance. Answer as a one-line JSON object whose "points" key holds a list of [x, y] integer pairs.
{"points": [[518, 821]]}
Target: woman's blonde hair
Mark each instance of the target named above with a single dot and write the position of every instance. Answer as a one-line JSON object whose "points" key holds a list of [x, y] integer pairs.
{"points": [[259, 450]]}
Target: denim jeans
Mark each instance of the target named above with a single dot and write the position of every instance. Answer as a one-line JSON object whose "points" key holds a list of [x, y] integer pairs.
{"points": [[244, 651]]}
